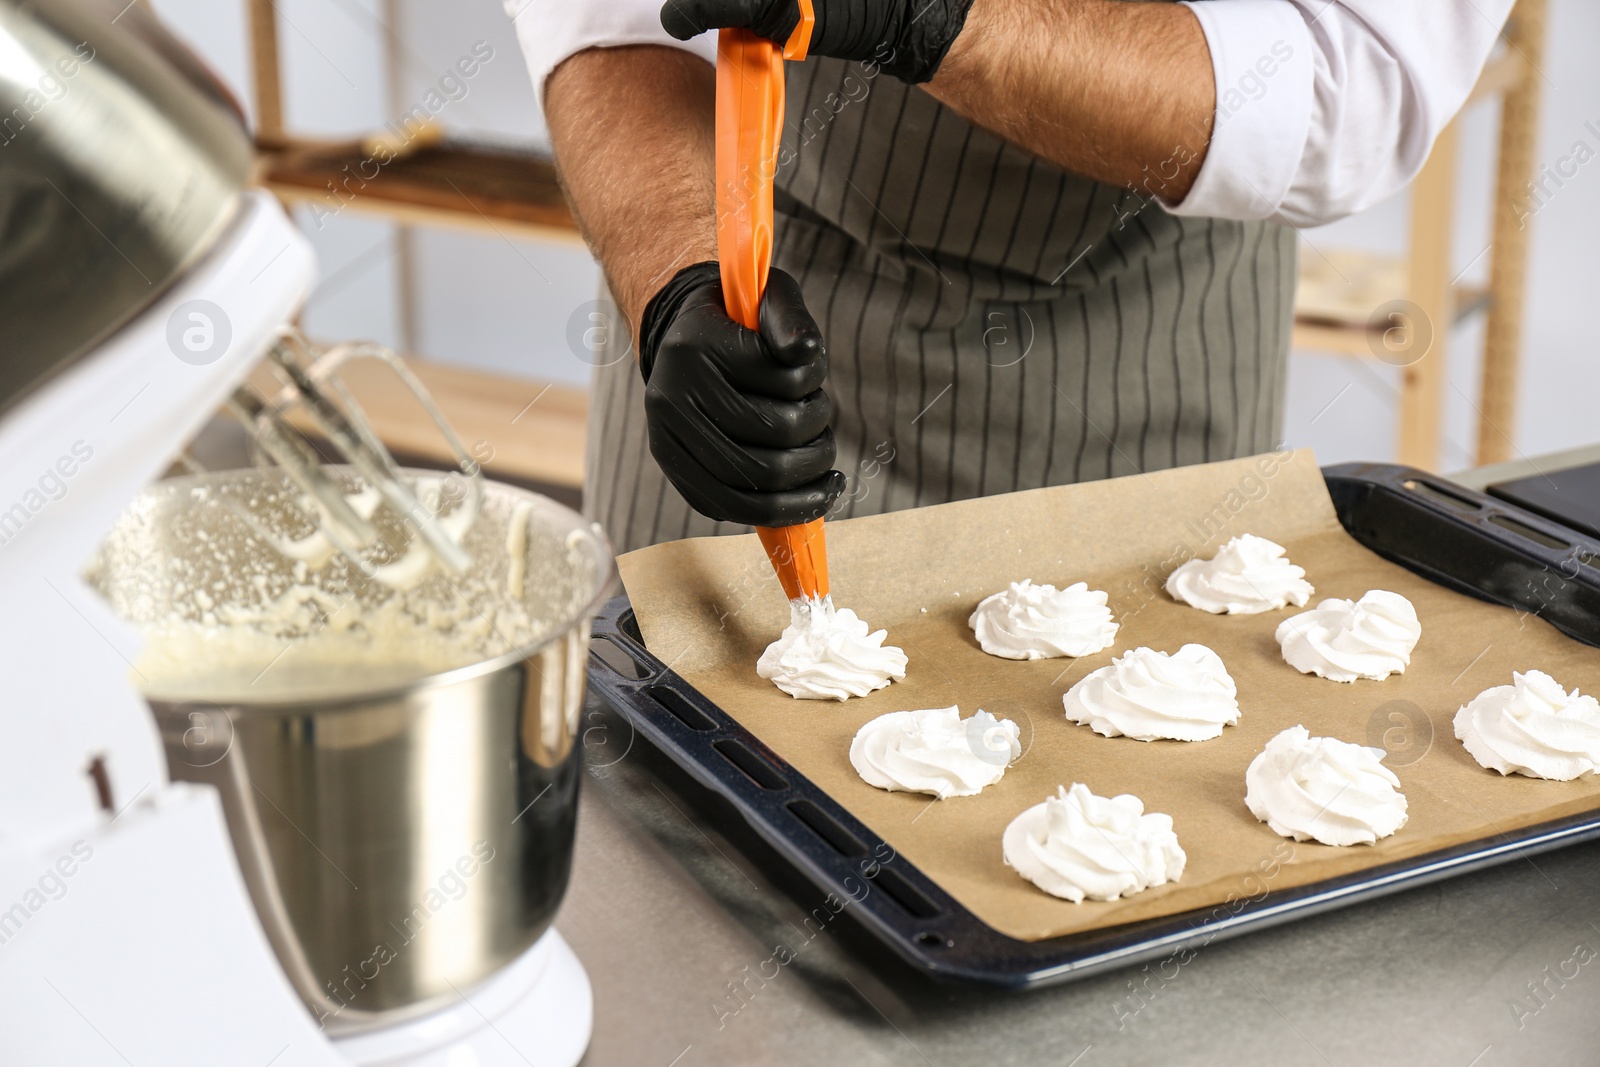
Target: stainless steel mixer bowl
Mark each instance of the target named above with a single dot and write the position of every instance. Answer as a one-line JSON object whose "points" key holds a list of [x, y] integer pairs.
{"points": [[401, 841]]}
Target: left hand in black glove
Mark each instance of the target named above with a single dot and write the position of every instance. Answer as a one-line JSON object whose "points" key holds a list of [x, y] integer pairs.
{"points": [[907, 38]]}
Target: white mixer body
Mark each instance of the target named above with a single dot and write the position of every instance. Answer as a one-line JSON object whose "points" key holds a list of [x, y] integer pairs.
{"points": [[71, 457], [127, 934]]}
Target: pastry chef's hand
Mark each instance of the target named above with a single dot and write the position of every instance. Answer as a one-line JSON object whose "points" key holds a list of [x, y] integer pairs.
{"points": [[907, 38], [738, 420]]}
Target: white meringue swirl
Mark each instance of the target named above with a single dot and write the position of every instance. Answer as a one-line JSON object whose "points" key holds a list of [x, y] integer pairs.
{"points": [[934, 751], [1079, 847], [1149, 695], [1028, 621], [1343, 640], [1247, 576], [1532, 727], [826, 653], [1323, 789]]}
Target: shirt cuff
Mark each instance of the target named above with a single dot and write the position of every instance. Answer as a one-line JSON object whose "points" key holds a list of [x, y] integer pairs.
{"points": [[549, 31], [1264, 62]]}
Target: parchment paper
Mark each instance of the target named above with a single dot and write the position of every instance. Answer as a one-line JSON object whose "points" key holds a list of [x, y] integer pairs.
{"points": [[708, 606]]}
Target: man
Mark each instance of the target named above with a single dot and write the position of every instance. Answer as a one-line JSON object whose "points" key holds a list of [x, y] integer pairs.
{"points": [[1027, 242]]}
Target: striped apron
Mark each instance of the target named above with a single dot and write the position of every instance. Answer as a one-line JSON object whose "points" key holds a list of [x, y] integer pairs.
{"points": [[993, 323]]}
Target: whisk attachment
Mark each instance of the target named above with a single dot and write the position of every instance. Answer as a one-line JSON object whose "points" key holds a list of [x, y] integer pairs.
{"points": [[313, 384]]}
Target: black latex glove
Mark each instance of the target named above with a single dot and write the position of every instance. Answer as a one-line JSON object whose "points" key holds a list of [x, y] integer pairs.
{"points": [[738, 420], [907, 38]]}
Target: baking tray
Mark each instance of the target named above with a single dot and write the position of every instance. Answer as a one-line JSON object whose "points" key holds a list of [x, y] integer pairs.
{"points": [[1462, 539]]}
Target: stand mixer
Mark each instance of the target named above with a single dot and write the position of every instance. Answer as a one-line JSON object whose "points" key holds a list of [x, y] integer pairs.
{"points": [[138, 288]]}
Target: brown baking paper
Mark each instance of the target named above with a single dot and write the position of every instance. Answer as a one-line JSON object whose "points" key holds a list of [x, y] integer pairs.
{"points": [[708, 606]]}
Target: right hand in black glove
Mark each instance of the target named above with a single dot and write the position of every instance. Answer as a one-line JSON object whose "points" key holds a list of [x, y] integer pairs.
{"points": [[738, 420], [907, 38]]}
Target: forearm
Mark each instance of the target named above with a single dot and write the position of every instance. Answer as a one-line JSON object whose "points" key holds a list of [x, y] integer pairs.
{"points": [[634, 133], [1118, 91]]}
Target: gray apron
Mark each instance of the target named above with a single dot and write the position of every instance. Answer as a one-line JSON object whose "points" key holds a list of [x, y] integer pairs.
{"points": [[993, 323]]}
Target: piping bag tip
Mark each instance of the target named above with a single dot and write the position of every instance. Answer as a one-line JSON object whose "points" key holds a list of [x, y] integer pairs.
{"points": [[800, 556]]}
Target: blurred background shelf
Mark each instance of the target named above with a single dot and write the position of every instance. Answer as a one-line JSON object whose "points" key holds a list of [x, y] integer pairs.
{"points": [[496, 188], [522, 431]]}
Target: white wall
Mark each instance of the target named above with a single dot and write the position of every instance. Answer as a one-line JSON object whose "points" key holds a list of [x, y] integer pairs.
{"points": [[504, 304]]}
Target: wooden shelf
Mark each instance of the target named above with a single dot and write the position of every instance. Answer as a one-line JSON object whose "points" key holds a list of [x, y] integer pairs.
{"points": [[1340, 289], [525, 432], [462, 184]]}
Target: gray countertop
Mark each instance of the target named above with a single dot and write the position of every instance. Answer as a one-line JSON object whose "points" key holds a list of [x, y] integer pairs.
{"points": [[674, 909]]}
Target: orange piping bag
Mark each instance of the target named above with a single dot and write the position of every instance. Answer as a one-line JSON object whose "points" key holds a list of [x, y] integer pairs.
{"points": [[749, 128]]}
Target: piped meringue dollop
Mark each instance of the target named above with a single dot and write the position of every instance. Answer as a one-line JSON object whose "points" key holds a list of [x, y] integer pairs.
{"points": [[1247, 576], [1534, 727], [935, 751], [1323, 789], [1343, 640], [1028, 621], [1149, 695], [826, 653], [1081, 847]]}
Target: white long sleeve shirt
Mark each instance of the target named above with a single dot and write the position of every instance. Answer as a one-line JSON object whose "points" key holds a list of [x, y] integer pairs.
{"points": [[1324, 107]]}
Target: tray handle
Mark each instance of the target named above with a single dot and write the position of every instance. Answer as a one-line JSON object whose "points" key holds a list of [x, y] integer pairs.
{"points": [[1472, 543]]}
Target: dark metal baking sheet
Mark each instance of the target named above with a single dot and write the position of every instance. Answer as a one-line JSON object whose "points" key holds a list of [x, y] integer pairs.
{"points": [[1570, 497], [1460, 538]]}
